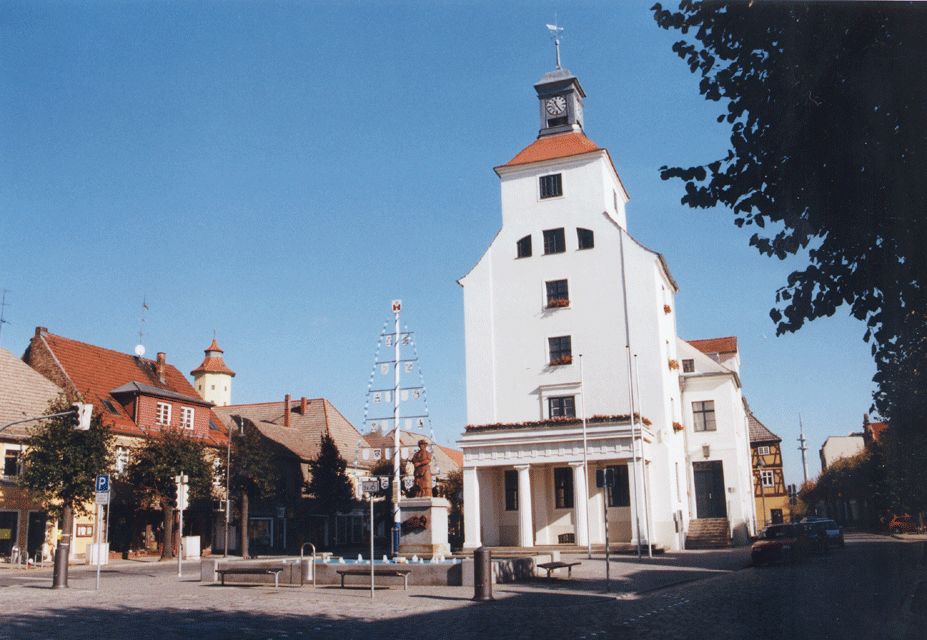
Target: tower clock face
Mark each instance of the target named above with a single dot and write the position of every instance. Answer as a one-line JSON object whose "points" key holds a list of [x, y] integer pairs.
{"points": [[556, 105]]}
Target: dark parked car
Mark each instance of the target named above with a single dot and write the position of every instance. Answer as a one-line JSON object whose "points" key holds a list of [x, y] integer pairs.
{"points": [[823, 533], [780, 543]]}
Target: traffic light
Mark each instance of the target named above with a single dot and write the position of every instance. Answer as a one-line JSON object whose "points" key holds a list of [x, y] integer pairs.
{"points": [[82, 414]]}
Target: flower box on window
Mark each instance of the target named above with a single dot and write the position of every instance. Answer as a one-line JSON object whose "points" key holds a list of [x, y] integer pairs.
{"points": [[678, 426], [558, 303], [667, 308], [561, 360], [674, 364]]}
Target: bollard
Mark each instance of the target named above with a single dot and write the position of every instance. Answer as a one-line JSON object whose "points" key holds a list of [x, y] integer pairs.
{"points": [[60, 577], [482, 574]]}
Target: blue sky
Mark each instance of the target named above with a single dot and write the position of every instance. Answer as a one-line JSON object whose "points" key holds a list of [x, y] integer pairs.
{"points": [[278, 172]]}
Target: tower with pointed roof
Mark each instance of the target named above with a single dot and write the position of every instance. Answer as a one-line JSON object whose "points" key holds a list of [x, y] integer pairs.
{"points": [[213, 379]]}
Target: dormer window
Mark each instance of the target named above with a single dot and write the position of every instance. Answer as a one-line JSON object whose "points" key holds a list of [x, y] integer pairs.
{"points": [[523, 247], [163, 414], [551, 186]]}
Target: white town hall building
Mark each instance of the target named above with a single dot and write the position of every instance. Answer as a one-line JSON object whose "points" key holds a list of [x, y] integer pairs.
{"points": [[562, 311]]}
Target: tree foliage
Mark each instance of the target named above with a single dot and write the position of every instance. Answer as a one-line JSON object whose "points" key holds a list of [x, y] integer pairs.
{"points": [[160, 458], [329, 485], [253, 466], [152, 469], [828, 149], [252, 472], [61, 464]]}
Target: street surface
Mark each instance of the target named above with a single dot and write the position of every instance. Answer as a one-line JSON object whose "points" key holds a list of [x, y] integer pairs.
{"points": [[870, 589]]}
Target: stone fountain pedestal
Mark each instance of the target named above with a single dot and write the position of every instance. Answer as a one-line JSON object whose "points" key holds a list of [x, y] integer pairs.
{"points": [[424, 537]]}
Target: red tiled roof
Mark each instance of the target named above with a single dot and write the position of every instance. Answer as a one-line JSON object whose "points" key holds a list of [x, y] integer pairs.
{"points": [[715, 345], [304, 435], [562, 145], [213, 364], [876, 429], [454, 454], [96, 371]]}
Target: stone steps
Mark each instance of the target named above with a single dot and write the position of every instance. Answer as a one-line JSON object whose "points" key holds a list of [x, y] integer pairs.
{"points": [[618, 548], [708, 533]]}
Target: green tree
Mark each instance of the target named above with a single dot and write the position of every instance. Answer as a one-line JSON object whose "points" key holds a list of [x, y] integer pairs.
{"points": [[151, 471], [329, 486], [828, 149], [61, 464], [253, 471]]}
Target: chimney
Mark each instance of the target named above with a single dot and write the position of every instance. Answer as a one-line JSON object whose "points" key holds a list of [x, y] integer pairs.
{"points": [[303, 405], [40, 331], [159, 365], [286, 410]]}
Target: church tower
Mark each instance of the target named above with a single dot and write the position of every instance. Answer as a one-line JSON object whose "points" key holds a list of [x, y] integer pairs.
{"points": [[213, 379]]}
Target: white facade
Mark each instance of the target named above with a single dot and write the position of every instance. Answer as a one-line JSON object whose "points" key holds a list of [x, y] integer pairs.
{"points": [[727, 444], [617, 293], [837, 447]]}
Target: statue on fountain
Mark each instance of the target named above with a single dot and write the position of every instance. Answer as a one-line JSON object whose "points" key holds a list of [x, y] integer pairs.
{"points": [[422, 462]]}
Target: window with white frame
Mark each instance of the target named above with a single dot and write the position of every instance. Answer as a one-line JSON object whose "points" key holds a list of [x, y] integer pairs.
{"points": [[163, 415], [703, 415], [186, 417], [122, 459], [11, 463], [767, 477], [551, 186], [763, 451]]}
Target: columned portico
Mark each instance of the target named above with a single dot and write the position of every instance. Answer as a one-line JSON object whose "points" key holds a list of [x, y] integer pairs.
{"points": [[525, 519], [471, 491], [580, 503]]}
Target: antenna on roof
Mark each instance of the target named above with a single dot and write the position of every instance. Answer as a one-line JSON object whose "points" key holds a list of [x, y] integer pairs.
{"points": [[3, 305], [140, 347], [555, 31]]}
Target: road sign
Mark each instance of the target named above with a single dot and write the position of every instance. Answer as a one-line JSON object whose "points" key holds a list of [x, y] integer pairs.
{"points": [[102, 497], [102, 485], [370, 486]]}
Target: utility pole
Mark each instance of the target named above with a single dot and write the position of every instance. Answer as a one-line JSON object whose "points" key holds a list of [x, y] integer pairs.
{"points": [[802, 447]]}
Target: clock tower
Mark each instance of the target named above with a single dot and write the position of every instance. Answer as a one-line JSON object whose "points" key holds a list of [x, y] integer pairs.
{"points": [[561, 102]]}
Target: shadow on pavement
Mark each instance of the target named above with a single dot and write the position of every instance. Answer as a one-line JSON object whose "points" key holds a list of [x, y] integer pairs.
{"points": [[516, 615]]}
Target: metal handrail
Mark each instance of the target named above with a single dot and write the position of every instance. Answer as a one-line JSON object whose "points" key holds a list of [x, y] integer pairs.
{"points": [[302, 550]]}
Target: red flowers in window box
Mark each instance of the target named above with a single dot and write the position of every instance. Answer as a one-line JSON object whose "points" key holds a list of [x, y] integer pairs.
{"points": [[678, 426], [674, 364], [667, 308], [561, 360], [558, 303]]}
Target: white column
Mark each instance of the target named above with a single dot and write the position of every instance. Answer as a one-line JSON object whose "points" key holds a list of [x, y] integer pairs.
{"points": [[634, 504], [525, 520], [471, 491], [580, 503]]}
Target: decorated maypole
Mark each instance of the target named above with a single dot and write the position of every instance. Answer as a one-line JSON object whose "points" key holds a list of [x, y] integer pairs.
{"points": [[381, 391], [397, 494]]}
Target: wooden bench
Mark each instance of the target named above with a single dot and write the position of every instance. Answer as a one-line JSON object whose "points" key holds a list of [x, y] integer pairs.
{"points": [[378, 571], [250, 571], [551, 566]]}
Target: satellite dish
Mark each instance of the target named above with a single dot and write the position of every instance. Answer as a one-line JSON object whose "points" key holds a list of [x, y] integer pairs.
{"points": [[139, 350]]}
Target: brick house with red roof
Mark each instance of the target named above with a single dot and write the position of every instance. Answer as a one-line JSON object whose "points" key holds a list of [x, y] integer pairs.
{"points": [[135, 397]]}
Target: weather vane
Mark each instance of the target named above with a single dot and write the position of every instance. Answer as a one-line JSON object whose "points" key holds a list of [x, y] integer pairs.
{"points": [[555, 31]]}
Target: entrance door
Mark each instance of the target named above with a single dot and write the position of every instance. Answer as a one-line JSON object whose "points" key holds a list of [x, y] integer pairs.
{"points": [[36, 536], [9, 529], [709, 489]]}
